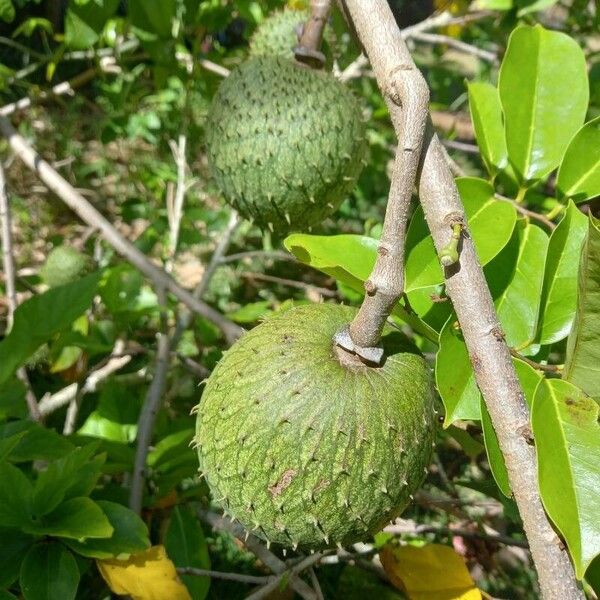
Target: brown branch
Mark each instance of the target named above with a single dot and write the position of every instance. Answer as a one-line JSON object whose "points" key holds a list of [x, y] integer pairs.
{"points": [[528, 213], [254, 545], [540, 367], [76, 202], [301, 285], [470, 295], [150, 408], [308, 50], [407, 96], [436, 38], [239, 577], [11, 290]]}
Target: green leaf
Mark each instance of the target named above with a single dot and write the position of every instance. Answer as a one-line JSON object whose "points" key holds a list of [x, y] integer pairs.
{"points": [[15, 545], [170, 447], [530, 6], [84, 22], [515, 278], [543, 106], [494, 4], [152, 17], [529, 379], [38, 319], [49, 572], [454, 376], [74, 475], [486, 114], [129, 537], [77, 518], [559, 292], [567, 435], [582, 367], [579, 173], [36, 443], [7, 11], [491, 223], [12, 399], [187, 547], [350, 259], [15, 497]]}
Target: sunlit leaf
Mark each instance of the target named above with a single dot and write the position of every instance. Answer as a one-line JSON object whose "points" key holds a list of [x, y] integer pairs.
{"points": [[579, 173], [567, 436], [582, 366], [543, 106], [148, 575], [431, 572]]}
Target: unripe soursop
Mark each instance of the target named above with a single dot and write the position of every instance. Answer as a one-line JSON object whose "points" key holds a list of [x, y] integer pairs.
{"points": [[278, 34], [63, 265], [305, 450], [284, 142]]}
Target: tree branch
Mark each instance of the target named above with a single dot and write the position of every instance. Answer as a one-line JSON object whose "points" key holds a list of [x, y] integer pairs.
{"points": [[308, 50], [239, 577], [76, 202], [11, 290], [467, 288]]}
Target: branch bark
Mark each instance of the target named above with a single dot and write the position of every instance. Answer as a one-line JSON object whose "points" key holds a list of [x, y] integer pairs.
{"points": [[308, 50], [78, 204], [468, 290]]}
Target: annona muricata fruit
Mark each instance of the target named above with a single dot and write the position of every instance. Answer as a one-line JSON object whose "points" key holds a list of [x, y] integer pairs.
{"points": [[284, 142], [277, 35], [305, 449], [63, 265]]}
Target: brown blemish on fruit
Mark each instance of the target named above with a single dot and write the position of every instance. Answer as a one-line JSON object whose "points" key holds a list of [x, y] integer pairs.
{"points": [[284, 482]]}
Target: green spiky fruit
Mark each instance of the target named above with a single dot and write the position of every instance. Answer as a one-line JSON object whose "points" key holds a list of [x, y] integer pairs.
{"points": [[63, 265], [306, 445], [285, 143], [278, 34]]}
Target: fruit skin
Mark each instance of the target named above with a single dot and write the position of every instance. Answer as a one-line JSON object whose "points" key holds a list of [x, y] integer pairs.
{"points": [[285, 143], [277, 35], [303, 450], [63, 265]]}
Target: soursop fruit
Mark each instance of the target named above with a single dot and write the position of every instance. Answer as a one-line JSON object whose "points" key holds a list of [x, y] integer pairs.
{"points": [[285, 143], [63, 265], [279, 33], [303, 443]]}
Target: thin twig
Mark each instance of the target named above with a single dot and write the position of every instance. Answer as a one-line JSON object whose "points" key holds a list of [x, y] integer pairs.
{"points": [[461, 146], [467, 288], [239, 577], [150, 408], [93, 217], [175, 201], [11, 290], [254, 545], [266, 254], [185, 317], [456, 44], [536, 365], [209, 65], [301, 285], [528, 213]]}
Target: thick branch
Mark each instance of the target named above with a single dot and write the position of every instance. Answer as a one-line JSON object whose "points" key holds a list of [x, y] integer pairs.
{"points": [[78, 204], [467, 288], [308, 50]]}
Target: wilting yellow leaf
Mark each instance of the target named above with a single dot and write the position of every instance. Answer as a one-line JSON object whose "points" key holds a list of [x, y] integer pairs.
{"points": [[432, 572], [149, 575]]}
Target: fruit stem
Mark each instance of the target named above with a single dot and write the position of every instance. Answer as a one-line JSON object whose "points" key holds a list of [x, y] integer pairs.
{"points": [[308, 50]]}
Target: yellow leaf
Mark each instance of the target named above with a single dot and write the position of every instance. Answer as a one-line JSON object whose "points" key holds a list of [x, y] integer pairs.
{"points": [[432, 572], [149, 575]]}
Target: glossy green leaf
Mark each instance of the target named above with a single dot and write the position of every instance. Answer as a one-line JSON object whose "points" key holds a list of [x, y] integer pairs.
{"points": [[454, 376], [486, 114], [579, 173], [15, 497], [559, 292], [38, 319], [529, 379], [494, 4], [350, 259], [491, 223], [15, 545], [130, 535], [49, 572], [582, 367], [84, 22], [68, 477], [153, 18], [515, 278], [186, 547], [77, 518], [543, 106], [567, 435], [7, 11]]}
